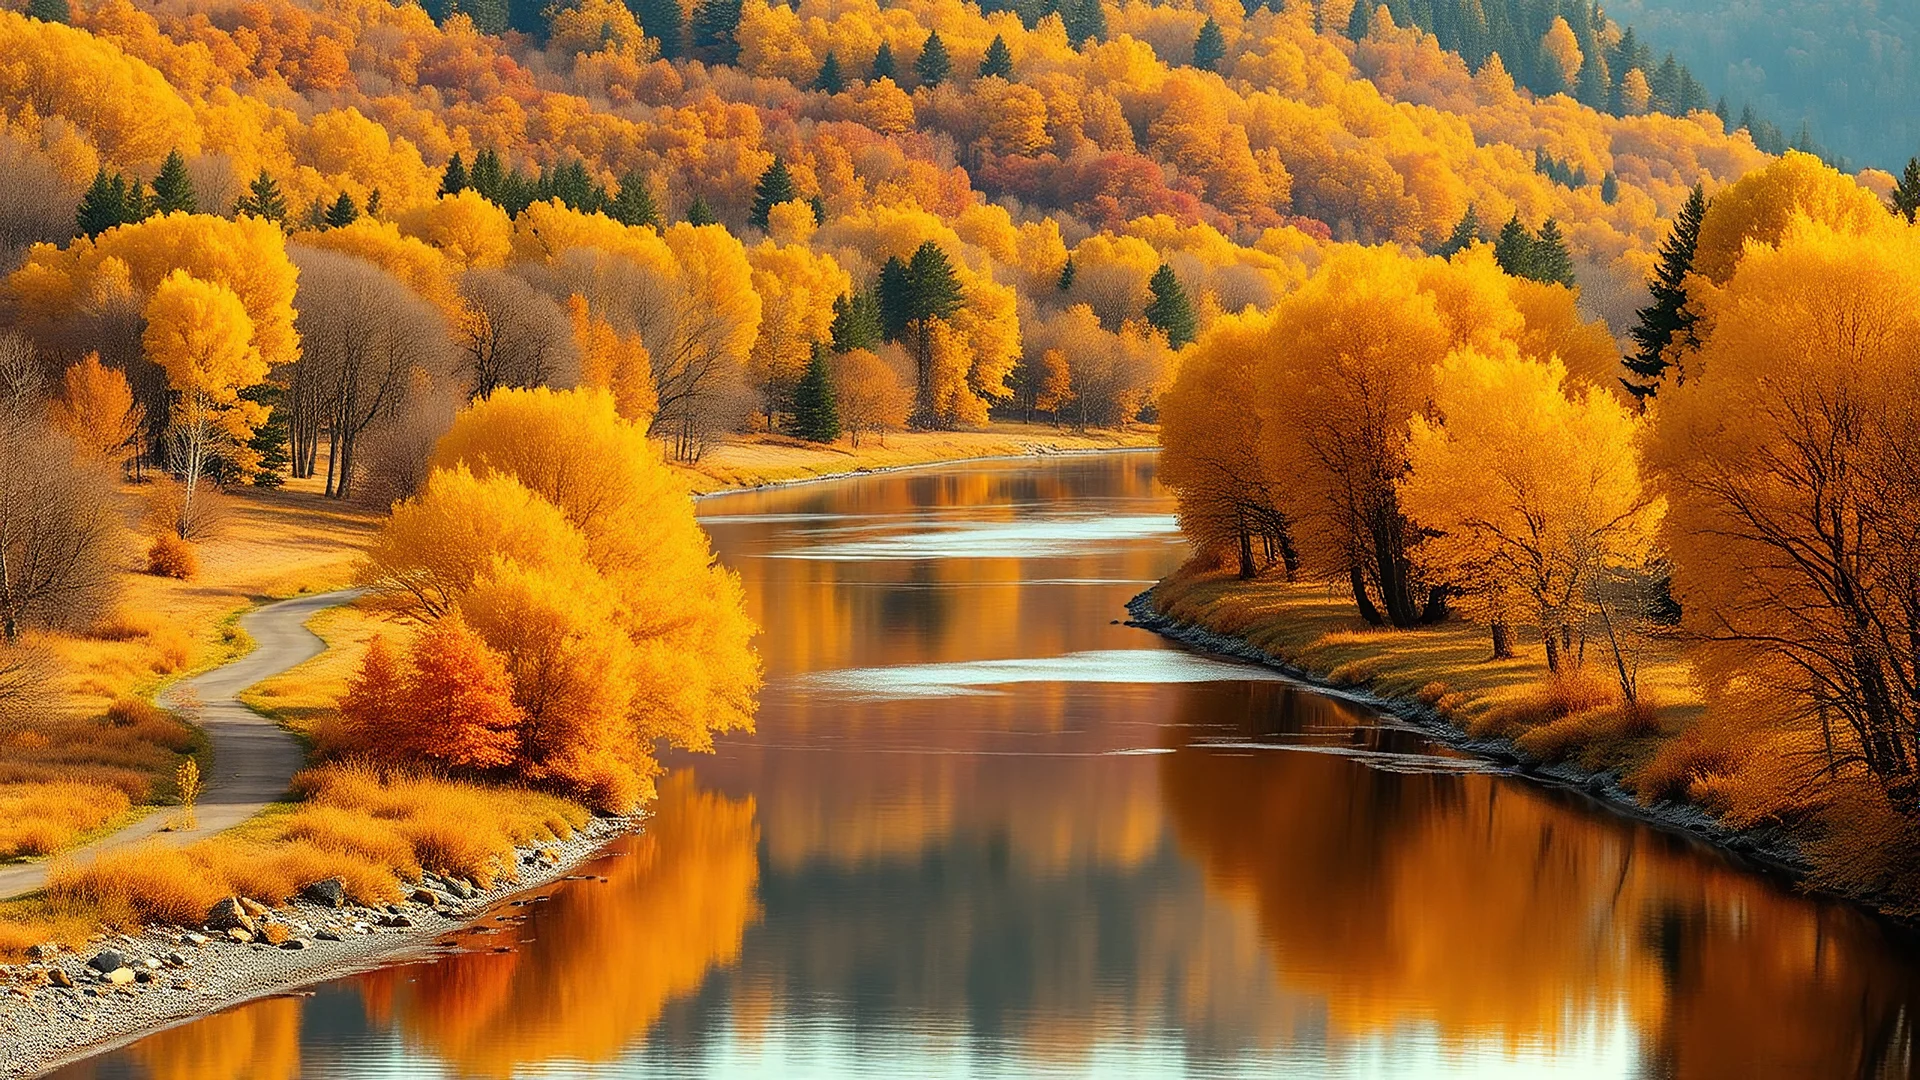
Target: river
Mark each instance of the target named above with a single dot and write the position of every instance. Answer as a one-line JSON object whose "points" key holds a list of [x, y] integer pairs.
{"points": [[986, 830]]}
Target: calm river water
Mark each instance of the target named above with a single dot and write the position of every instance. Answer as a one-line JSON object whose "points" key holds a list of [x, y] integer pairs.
{"points": [[985, 831]]}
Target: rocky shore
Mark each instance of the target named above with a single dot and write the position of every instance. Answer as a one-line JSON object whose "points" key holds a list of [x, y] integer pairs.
{"points": [[64, 1004], [1766, 849]]}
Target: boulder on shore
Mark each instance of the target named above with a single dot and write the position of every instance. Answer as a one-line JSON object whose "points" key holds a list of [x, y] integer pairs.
{"points": [[107, 960], [228, 914], [327, 892]]}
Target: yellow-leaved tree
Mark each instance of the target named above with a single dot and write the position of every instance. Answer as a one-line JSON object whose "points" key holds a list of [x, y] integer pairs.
{"points": [[198, 332], [1528, 492], [551, 524]]}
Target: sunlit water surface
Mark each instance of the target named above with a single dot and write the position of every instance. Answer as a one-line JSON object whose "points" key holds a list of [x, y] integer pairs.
{"points": [[985, 830]]}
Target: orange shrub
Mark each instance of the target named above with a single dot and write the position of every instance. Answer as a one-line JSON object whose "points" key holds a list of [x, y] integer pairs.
{"points": [[170, 556]]}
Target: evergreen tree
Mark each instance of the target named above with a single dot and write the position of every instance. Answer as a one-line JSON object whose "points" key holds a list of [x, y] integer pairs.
{"points": [[1609, 189], [1513, 249], [49, 10], [374, 202], [107, 203], [1085, 20], [487, 178], [1360, 20], [1169, 310], [342, 212], [1667, 323], [664, 22], [1067, 273], [894, 293], [263, 200], [1906, 193], [933, 288], [934, 63], [270, 441], [454, 180], [816, 413], [1552, 262], [1210, 46], [1464, 235], [999, 59], [819, 206], [856, 322], [570, 182], [1747, 121], [774, 188], [714, 31], [699, 213], [316, 215], [883, 66], [633, 204], [172, 187], [830, 79]]}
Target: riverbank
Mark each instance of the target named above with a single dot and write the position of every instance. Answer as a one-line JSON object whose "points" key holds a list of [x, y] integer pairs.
{"points": [[757, 461], [1442, 681], [63, 1007]]}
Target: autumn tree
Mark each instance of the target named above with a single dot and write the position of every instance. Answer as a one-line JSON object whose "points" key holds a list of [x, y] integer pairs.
{"points": [[61, 540], [96, 409], [200, 334], [1666, 325], [511, 335], [451, 703], [915, 299], [869, 395], [1526, 489], [1786, 459], [1211, 454]]}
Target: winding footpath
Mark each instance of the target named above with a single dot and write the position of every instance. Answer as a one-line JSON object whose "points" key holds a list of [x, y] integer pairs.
{"points": [[253, 758]]}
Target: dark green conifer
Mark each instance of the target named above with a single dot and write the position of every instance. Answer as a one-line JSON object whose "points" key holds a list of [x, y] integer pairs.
{"points": [[830, 79], [454, 179], [342, 212], [1513, 249], [1552, 262], [1168, 309], [263, 200], [816, 412], [50, 10], [1906, 193], [883, 66], [699, 213], [714, 31], [172, 187], [633, 203], [1464, 235], [934, 64], [1067, 274], [664, 22], [999, 59], [1209, 46], [1667, 323], [774, 187]]}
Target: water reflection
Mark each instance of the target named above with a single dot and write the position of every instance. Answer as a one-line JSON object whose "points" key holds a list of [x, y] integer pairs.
{"points": [[986, 830]]}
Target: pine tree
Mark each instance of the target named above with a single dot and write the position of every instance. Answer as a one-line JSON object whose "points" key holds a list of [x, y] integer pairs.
{"points": [[487, 178], [664, 22], [263, 200], [1513, 249], [1209, 46], [342, 212], [570, 182], [699, 213], [270, 441], [819, 207], [1169, 310], [1906, 193], [933, 288], [816, 413], [1085, 20], [1609, 189], [856, 322], [633, 204], [934, 63], [49, 10], [374, 202], [883, 66], [894, 292], [106, 204], [999, 59], [830, 79], [1464, 235], [172, 187], [1552, 262], [714, 29], [1067, 273], [454, 180], [774, 188], [316, 215], [1667, 323]]}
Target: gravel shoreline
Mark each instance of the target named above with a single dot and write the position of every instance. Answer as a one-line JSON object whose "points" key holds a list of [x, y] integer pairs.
{"points": [[1765, 849], [172, 975]]}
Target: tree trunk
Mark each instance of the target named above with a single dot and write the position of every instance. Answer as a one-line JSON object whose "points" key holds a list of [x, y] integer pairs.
{"points": [[1246, 554], [1502, 641], [1553, 651], [1361, 600], [1436, 610]]}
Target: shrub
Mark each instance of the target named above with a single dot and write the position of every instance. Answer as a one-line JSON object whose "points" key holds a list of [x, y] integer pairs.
{"points": [[170, 556], [1680, 763]]}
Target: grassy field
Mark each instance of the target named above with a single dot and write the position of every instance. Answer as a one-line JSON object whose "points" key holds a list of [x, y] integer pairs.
{"points": [[99, 752], [753, 460], [1450, 667]]}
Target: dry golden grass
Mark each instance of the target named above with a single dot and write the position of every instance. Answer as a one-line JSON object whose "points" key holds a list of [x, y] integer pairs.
{"points": [[101, 748], [1449, 668], [753, 460], [372, 828]]}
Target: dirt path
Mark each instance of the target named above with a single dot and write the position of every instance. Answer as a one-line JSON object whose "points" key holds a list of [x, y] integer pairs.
{"points": [[253, 759]]}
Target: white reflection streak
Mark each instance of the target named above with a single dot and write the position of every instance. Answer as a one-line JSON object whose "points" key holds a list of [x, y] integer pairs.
{"points": [[989, 677], [1042, 538]]}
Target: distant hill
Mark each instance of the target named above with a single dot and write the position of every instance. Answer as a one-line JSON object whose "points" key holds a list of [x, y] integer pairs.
{"points": [[1850, 68]]}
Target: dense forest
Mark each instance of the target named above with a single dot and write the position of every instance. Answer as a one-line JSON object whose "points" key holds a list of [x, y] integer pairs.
{"points": [[1846, 67]]}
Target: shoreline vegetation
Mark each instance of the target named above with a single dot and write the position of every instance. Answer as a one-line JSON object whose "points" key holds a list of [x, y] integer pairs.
{"points": [[281, 542]]}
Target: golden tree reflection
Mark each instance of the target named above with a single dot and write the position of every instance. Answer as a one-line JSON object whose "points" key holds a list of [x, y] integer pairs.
{"points": [[258, 1041]]}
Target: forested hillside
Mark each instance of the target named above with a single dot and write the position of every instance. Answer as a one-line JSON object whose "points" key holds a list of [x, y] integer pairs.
{"points": [[1848, 67]]}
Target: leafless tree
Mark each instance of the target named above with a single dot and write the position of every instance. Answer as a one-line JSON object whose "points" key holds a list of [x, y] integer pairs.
{"points": [[60, 530], [399, 451], [512, 335], [362, 333], [37, 205]]}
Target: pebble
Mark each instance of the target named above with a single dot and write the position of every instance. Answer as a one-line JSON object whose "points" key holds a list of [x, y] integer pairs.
{"points": [[107, 960], [327, 934], [240, 936], [121, 977], [60, 978], [294, 944]]}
